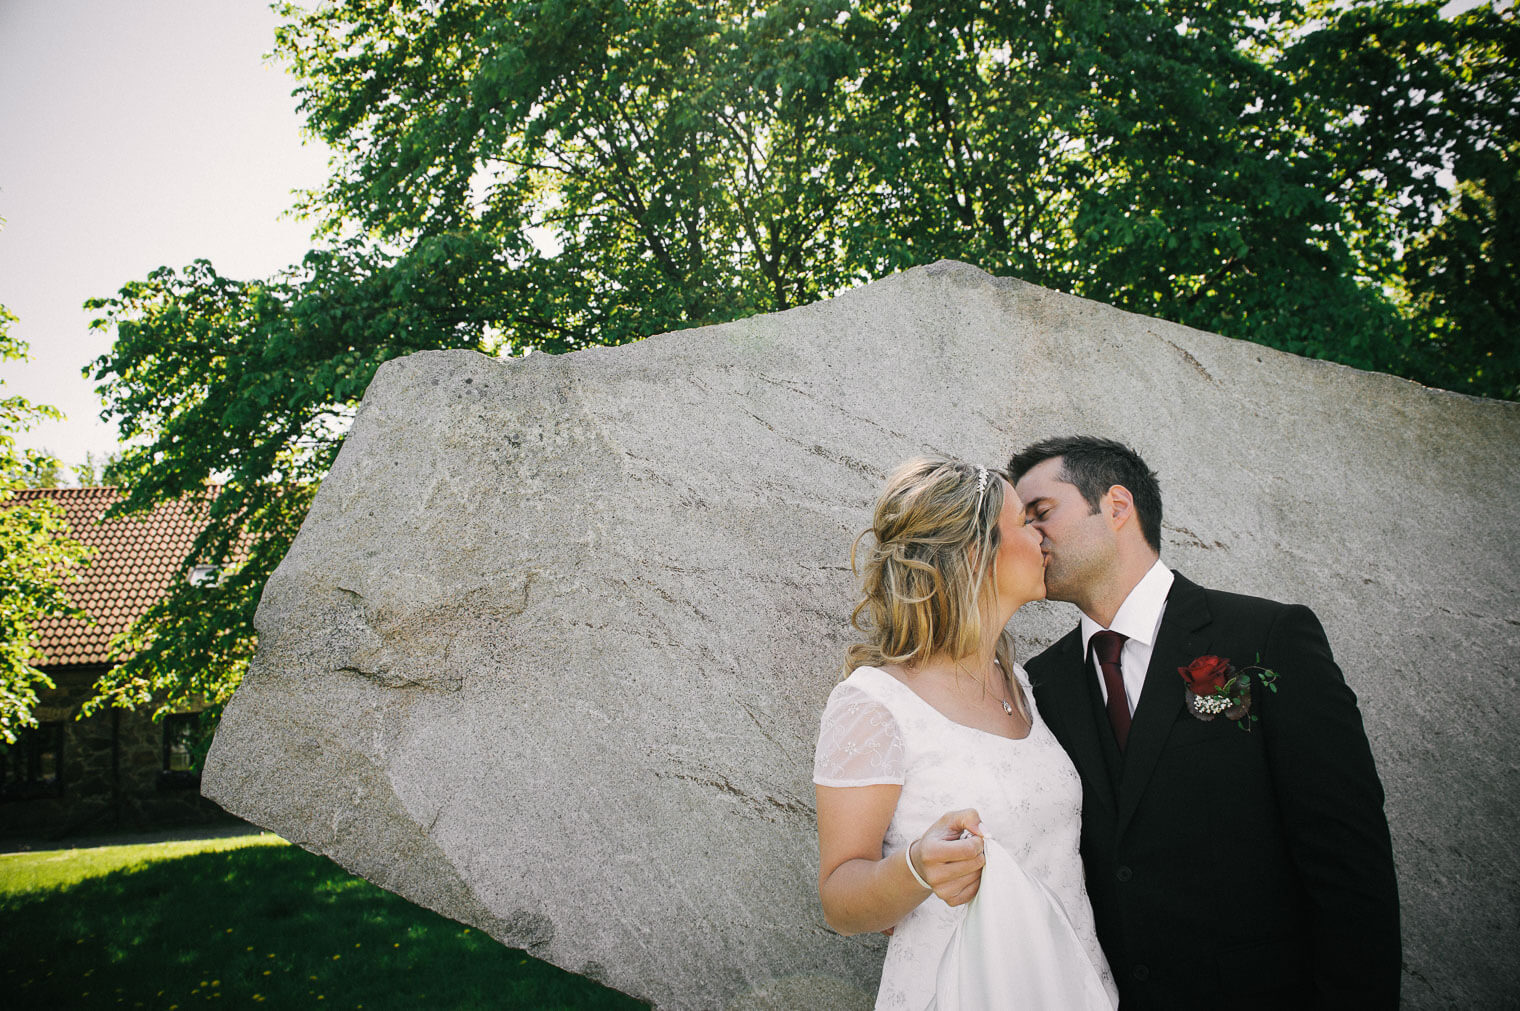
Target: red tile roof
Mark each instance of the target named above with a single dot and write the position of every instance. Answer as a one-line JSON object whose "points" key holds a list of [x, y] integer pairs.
{"points": [[135, 559]]}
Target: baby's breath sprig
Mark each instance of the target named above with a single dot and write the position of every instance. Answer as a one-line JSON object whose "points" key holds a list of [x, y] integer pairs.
{"points": [[1217, 688]]}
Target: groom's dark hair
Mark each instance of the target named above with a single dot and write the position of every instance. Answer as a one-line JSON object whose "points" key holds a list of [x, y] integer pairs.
{"points": [[1095, 465]]}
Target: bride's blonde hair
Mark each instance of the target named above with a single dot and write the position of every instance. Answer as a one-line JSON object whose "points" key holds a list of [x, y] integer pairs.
{"points": [[933, 552]]}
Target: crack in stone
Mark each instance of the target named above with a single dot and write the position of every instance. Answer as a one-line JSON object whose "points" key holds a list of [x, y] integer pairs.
{"points": [[758, 804], [831, 405], [1194, 539], [1188, 357], [387, 680]]}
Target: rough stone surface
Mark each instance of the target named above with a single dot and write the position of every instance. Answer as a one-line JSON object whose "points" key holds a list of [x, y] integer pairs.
{"points": [[549, 652]]}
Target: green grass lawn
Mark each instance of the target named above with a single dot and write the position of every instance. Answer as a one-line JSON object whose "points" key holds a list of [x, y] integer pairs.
{"points": [[242, 922]]}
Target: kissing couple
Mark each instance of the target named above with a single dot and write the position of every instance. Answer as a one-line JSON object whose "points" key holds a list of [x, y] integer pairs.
{"points": [[1175, 807]]}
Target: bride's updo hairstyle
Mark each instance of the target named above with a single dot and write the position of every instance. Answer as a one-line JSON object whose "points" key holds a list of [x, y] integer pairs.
{"points": [[932, 553]]}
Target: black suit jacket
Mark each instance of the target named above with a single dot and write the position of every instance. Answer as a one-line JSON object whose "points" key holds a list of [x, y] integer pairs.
{"points": [[1232, 869]]}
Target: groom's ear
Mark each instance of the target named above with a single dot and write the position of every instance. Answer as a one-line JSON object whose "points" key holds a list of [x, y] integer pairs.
{"points": [[1118, 506]]}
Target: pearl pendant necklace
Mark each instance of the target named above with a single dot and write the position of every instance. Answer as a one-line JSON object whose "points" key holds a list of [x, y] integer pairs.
{"points": [[1007, 709]]}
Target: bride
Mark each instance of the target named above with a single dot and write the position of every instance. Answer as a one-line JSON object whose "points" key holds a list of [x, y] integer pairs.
{"points": [[931, 761]]}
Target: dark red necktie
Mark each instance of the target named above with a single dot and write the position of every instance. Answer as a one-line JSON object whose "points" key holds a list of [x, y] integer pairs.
{"points": [[1106, 646]]}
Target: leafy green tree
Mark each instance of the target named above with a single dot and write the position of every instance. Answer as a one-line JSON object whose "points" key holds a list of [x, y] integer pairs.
{"points": [[36, 556], [1248, 168], [553, 174], [1461, 275], [92, 473], [43, 470]]}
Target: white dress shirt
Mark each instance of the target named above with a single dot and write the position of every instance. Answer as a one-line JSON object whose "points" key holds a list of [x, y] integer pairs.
{"points": [[1139, 618]]}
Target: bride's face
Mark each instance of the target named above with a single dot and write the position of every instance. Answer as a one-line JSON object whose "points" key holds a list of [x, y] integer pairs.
{"points": [[1020, 574]]}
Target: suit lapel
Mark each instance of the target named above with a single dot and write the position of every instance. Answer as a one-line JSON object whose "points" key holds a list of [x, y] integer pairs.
{"points": [[1070, 696], [1179, 641]]}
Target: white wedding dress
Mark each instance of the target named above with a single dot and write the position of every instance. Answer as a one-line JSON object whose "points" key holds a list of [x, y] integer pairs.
{"points": [[877, 730]]}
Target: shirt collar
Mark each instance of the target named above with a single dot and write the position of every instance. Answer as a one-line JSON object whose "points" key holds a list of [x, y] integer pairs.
{"points": [[1139, 617]]}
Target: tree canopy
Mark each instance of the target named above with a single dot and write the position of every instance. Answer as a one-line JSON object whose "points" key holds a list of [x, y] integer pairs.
{"points": [[1334, 179], [37, 557]]}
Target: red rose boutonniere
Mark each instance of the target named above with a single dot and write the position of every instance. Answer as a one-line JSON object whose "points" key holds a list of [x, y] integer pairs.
{"points": [[1215, 688]]}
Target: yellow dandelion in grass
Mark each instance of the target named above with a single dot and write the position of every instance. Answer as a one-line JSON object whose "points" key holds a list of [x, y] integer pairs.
{"points": [[268, 971]]}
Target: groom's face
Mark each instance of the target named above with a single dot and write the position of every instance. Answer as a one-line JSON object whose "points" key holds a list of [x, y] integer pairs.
{"points": [[1077, 541]]}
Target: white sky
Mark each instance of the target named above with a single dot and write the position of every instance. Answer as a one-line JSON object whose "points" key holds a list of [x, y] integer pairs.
{"points": [[133, 134]]}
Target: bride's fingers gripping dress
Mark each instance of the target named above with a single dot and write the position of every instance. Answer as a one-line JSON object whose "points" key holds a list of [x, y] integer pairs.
{"points": [[950, 854]]}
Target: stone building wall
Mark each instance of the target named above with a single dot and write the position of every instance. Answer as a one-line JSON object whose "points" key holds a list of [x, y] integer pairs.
{"points": [[109, 772]]}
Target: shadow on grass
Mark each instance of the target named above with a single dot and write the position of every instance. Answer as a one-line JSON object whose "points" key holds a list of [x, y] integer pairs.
{"points": [[270, 925]]}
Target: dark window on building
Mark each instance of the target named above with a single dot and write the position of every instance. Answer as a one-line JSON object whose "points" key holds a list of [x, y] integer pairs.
{"points": [[182, 751], [33, 766]]}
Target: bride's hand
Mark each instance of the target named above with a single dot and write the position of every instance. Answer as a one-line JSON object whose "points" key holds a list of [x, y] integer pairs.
{"points": [[951, 864]]}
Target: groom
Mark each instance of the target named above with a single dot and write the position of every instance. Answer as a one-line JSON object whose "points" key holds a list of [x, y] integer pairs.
{"points": [[1226, 869]]}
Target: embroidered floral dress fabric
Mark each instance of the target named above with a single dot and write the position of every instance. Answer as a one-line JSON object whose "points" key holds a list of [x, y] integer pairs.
{"points": [[877, 730]]}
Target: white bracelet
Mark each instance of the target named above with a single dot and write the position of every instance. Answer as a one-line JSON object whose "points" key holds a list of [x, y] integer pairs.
{"points": [[908, 856]]}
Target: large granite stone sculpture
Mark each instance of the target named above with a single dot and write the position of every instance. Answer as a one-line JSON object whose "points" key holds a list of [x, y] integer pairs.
{"points": [[549, 652]]}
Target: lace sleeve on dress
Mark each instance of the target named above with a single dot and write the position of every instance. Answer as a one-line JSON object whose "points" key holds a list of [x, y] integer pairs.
{"points": [[858, 743]]}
